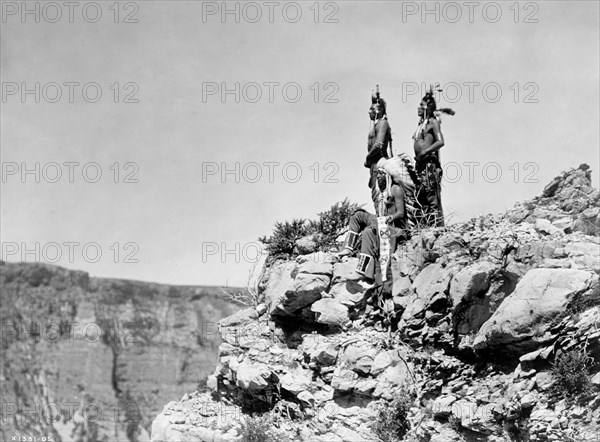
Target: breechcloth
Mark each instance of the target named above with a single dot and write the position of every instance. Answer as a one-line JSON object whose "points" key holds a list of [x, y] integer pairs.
{"points": [[374, 189], [429, 193]]}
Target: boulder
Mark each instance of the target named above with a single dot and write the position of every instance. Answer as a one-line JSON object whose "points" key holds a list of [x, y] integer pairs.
{"points": [[306, 398], [471, 281], [383, 360], [401, 285], [305, 290], [584, 253], [325, 355], [391, 380], [319, 263], [431, 287], [565, 224], [442, 406], [344, 270], [365, 387], [545, 226], [240, 318], [409, 258], [330, 311], [359, 357], [450, 241], [280, 281], [355, 352], [588, 221], [295, 381], [524, 317], [344, 380], [432, 280], [476, 296], [252, 376], [349, 293]]}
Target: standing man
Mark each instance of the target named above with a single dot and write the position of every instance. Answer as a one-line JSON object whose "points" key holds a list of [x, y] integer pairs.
{"points": [[379, 143], [428, 140]]}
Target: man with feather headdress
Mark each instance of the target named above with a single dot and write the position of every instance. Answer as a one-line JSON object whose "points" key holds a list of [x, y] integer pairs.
{"points": [[379, 143], [428, 140], [394, 222]]}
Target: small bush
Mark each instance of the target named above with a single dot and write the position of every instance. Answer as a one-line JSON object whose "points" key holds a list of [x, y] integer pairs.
{"points": [[329, 225], [257, 429], [285, 235], [570, 372], [333, 222], [391, 424], [583, 301]]}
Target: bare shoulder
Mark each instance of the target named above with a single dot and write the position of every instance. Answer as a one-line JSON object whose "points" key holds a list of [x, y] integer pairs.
{"points": [[397, 190], [434, 123], [383, 124]]}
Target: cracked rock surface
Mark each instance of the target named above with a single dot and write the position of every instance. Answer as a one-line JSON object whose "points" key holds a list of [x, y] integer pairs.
{"points": [[477, 314]]}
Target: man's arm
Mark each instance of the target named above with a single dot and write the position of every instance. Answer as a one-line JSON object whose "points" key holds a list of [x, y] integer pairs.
{"points": [[437, 136], [381, 128], [398, 195]]}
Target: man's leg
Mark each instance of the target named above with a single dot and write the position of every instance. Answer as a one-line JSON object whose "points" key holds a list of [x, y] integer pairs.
{"points": [[435, 196], [359, 221], [374, 188], [429, 197], [368, 253], [438, 205]]}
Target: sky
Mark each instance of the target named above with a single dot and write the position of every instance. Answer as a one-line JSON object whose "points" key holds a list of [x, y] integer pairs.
{"points": [[210, 127]]}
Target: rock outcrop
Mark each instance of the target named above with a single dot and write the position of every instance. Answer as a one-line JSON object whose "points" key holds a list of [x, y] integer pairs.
{"points": [[86, 359], [466, 336]]}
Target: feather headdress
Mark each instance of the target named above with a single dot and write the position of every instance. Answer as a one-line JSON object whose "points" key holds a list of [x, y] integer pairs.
{"points": [[432, 109], [376, 99]]}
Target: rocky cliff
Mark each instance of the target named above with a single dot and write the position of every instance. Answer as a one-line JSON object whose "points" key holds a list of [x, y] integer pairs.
{"points": [[94, 359], [489, 332]]}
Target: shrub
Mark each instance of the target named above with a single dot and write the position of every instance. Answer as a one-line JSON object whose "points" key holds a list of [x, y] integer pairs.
{"points": [[329, 225], [333, 222], [285, 235], [256, 429], [583, 301], [391, 424], [570, 373]]}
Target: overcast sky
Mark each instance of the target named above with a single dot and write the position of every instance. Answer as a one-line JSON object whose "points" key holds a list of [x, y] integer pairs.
{"points": [[525, 95]]}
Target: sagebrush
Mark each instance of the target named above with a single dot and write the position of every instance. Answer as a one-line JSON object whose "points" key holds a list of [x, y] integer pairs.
{"points": [[391, 423], [571, 373], [285, 235], [324, 230], [257, 428], [333, 222]]}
